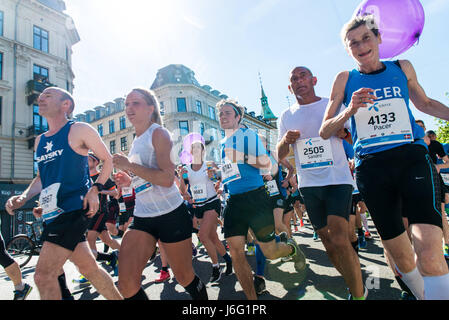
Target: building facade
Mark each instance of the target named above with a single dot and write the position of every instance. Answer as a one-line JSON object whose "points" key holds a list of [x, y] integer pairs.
{"points": [[186, 107], [36, 39]]}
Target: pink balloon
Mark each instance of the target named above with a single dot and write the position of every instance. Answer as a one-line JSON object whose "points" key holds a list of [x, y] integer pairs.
{"points": [[400, 22], [191, 138], [185, 157]]}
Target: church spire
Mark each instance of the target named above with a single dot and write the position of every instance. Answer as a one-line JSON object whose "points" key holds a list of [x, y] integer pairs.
{"points": [[266, 111]]}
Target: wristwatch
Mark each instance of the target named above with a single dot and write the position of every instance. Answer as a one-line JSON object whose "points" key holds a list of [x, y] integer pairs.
{"points": [[99, 186]]}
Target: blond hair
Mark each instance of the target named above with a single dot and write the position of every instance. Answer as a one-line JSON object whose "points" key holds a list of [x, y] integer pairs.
{"points": [[150, 99], [368, 20]]}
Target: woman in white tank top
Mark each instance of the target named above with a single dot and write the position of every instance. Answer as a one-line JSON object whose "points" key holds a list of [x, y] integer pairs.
{"points": [[206, 208], [159, 213]]}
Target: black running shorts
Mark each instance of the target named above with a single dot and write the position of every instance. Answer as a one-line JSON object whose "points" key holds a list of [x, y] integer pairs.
{"points": [[67, 230], [327, 200], [397, 181], [253, 210], [171, 227]]}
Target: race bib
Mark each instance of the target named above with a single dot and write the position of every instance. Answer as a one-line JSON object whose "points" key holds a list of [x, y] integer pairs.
{"points": [[140, 185], [199, 193], [127, 192], [48, 200], [384, 122], [272, 188], [314, 153], [122, 207], [445, 177], [230, 172]]}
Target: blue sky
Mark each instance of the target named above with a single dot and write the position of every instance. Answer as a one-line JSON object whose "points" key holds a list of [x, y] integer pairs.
{"points": [[227, 43]]}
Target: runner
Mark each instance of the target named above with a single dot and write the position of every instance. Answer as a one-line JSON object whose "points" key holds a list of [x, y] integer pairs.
{"points": [[206, 207], [248, 205], [325, 180], [392, 172], [67, 198], [12, 269], [160, 212]]}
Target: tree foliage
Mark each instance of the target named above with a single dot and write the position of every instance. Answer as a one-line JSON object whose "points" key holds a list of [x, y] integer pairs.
{"points": [[443, 129]]}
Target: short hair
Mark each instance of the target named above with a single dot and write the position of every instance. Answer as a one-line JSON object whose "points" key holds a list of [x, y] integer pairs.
{"points": [[311, 73], [430, 133], [65, 95], [239, 110], [357, 21], [150, 99]]}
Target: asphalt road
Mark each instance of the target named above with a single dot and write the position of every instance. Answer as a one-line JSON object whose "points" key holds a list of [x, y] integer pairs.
{"points": [[320, 281]]}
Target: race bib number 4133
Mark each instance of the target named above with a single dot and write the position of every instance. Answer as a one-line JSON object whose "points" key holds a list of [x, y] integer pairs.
{"points": [[384, 122]]}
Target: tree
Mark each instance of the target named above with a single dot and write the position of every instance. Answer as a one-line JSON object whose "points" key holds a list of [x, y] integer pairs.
{"points": [[443, 128]]}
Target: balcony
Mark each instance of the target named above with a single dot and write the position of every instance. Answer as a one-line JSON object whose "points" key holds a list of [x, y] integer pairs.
{"points": [[32, 132], [34, 88]]}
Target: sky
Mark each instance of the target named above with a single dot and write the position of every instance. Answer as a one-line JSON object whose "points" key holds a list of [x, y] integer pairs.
{"points": [[228, 43]]}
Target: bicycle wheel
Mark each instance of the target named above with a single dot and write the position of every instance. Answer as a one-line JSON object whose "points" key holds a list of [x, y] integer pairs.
{"points": [[21, 249]]}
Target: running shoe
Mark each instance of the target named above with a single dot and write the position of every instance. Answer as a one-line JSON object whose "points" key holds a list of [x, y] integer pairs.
{"points": [[315, 236], [216, 275], [362, 242], [367, 214], [259, 285], [365, 295], [368, 235], [301, 223], [22, 294], [283, 236], [164, 276], [296, 228], [194, 250], [199, 244], [446, 251], [81, 280], [406, 296], [114, 263], [298, 257], [228, 268]]}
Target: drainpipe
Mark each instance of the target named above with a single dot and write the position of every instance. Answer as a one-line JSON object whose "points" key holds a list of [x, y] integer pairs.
{"points": [[14, 103]]}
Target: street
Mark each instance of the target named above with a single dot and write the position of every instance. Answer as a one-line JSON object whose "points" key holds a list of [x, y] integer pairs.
{"points": [[321, 281]]}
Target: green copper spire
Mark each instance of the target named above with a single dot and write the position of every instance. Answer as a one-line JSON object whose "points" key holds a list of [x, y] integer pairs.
{"points": [[266, 111]]}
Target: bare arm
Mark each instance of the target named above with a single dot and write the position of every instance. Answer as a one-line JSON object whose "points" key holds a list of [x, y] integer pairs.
{"points": [[419, 98]]}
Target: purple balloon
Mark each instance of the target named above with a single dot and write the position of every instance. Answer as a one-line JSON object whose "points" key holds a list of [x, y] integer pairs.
{"points": [[185, 157], [190, 138], [400, 22]]}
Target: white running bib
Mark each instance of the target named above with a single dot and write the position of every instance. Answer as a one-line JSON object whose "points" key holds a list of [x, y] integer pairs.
{"points": [[445, 177], [384, 122], [314, 153], [229, 171], [272, 188], [140, 185], [48, 200], [199, 193], [127, 192], [122, 207]]}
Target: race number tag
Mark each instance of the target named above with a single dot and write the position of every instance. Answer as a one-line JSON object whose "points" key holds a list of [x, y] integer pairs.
{"points": [[140, 185], [199, 193], [48, 200], [445, 177], [314, 153], [122, 207], [272, 188], [384, 122], [229, 172], [127, 192]]}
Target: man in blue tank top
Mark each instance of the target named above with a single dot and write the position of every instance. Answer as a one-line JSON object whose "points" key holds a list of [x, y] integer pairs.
{"points": [[67, 198], [248, 205], [392, 169]]}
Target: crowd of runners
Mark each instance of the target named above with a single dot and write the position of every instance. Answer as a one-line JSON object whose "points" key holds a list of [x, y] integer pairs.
{"points": [[360, 150]]}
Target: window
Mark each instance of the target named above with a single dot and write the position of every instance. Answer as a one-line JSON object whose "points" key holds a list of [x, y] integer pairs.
{"points": [[40, 123], [202, 128], [100, 129], [40, 73], [184, 127], [212, 112], [1, 23], [1, 65], [111, 126], [122, 122], [112, 146], [35, 166], [123, 144], [162, 108], [181, 103], [1, 110], [40, 39], [97, 114], [198, 107]]}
